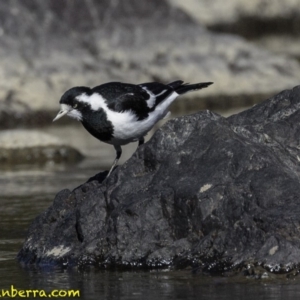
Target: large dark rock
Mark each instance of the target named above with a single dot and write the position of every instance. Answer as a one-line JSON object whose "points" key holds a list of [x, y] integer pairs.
{"points": [[208, 192]]}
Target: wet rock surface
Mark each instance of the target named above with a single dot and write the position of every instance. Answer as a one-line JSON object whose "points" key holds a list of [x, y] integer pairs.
{"points": [[34, 147], [215, 194]]}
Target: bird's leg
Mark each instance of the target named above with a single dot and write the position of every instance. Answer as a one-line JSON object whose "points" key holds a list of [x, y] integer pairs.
{"points": [[118, 155], [141, 141]]}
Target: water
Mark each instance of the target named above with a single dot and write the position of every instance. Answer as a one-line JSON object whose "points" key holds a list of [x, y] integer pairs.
{"points": [[27, 191]]}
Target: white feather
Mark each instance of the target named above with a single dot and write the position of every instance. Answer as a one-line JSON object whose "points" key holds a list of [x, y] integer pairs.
{"points": [[71, 112], [127, 127], [152, 99], [95, 100]]}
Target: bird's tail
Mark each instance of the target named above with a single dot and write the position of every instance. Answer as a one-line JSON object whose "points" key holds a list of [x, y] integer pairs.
{"points": [[182, 88]]}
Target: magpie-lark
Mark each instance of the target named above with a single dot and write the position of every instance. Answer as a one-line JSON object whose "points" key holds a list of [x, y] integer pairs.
{"points": [[120, 113]]}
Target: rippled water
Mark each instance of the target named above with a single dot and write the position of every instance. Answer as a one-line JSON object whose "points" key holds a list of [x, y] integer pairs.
{"points": [[27, 191]]}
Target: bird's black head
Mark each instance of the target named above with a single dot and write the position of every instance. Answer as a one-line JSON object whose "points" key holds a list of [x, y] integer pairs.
{"points": [[69, 97], [70, 103]]}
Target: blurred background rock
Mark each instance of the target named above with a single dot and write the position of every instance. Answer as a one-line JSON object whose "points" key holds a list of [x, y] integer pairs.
{"points": [[248, 49]]}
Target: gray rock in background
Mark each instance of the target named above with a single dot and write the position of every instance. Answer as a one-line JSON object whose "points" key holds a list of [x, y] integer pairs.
{"points": [[50, 46], [252, 19], [273, 25], [34, 147]]}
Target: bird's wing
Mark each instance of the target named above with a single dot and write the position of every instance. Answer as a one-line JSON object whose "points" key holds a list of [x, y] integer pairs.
{"points": [[140, 99], [157, 92], [175, 84], [122, 97], [134, 102]]}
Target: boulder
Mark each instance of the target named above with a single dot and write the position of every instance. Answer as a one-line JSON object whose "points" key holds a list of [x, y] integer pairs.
{"points": [[212, 193]]}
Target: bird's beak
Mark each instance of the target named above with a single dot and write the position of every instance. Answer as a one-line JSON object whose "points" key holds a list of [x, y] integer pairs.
{"points": [[60, 114]]}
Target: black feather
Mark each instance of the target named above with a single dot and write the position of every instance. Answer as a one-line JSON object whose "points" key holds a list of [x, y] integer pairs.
{"points": [[175, 84], [182, 89], [160, 90], [121, 97]]}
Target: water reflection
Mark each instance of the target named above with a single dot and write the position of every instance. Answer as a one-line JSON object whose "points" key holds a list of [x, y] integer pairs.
{"points": [[150, 285]]}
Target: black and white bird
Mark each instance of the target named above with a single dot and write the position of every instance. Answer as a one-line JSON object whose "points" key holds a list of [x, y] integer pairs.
{"points": [[120, 113]]}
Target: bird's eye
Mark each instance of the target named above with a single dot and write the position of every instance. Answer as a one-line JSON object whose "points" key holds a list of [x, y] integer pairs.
{"points": [[75, 105]]}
